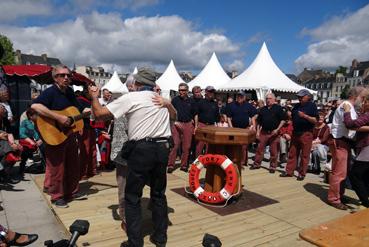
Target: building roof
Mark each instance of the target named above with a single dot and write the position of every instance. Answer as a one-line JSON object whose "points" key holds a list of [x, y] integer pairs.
{"points": [[27, 59]]}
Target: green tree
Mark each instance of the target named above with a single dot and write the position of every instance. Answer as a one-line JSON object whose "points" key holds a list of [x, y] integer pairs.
{"points": [[344, 93], [6, 51], [342, 70]]}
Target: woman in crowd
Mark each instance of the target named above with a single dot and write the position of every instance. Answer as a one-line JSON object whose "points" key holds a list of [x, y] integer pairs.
{"points": [[29, 139], [360, 169], [319, 149]]}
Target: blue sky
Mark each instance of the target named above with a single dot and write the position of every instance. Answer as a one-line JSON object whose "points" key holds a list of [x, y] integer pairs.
{"points": [[123, 34]]}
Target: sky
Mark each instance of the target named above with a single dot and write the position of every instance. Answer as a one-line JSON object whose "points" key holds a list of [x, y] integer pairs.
{"points": [[121, 34]]}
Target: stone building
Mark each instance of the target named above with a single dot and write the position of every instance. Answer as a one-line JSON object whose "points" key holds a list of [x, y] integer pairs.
{"points": [[28, 59], [96, 74]]}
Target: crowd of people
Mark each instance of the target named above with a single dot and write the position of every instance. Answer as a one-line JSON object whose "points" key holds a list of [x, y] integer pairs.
{"points": [[142, 134]]}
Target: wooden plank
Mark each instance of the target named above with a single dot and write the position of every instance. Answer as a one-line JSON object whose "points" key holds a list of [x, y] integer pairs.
{"points": [[349, 230], [271, 225]]}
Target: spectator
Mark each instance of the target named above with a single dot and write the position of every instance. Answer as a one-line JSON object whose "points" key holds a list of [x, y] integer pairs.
{"points": [[304, 118], [239, 114]]}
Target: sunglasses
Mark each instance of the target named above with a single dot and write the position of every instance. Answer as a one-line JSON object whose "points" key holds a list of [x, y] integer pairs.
{"points": [[182, 90], [63, 75]]}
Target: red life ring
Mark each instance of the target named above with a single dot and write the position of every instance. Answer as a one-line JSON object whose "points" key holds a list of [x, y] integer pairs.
{"points": [[231, 178]]}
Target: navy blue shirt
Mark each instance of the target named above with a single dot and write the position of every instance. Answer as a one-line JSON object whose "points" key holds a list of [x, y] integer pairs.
{"points": [[54, 99], [270, 118], [300, 124], [240, 114], [208, 111], [185, 108]]}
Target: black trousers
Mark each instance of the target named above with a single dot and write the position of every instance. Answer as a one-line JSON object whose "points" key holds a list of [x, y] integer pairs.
{"points": [[147, 162], [358, 180]]}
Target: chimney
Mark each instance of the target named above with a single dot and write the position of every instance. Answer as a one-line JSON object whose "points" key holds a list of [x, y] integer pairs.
{"points": [[44, 57], [18, 57]]}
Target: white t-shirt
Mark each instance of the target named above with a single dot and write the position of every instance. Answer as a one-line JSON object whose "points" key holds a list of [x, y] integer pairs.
{"points": [[144, 118], [338, 128]]}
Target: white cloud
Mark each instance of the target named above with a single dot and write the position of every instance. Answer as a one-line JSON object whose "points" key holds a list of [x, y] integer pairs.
{"points": [[237, 65], [14, 9], [337, 41], [108, 39]]}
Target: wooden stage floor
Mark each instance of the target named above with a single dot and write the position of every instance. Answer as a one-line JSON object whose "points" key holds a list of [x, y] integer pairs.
{"points": [[271, 212]]}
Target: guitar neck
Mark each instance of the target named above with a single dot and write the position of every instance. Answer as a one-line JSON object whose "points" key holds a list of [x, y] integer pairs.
{"points": [[80, 116]]}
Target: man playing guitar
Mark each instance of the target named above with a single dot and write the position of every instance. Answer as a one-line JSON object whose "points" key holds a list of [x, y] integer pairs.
{"points": [[62, 167]]}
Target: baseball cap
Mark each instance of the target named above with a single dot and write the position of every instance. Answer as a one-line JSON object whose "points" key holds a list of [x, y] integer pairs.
{"points": [[146, 76], [303, 92], [210, 89], [242, 93]]}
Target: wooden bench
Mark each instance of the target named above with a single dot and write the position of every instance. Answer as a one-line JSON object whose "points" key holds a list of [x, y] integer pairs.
{"points": [[349, 230]]}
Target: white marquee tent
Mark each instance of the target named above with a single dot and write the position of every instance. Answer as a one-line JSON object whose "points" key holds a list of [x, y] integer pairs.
{"points": [[169, 80], [115, 85], [262, 75], [211, 75]]}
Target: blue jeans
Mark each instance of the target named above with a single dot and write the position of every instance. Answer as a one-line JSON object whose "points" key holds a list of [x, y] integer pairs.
{"points": [[147, 163]]}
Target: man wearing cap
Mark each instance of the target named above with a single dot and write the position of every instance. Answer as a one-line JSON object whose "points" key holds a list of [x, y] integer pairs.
{"points": [[270, 120], [207, 114], [146, 152], [304, 117], [239, 114], [182, 129]]}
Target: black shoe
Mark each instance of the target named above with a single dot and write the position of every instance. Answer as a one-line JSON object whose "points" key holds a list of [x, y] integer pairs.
{"points": [[61, 203], [170, 170], [300, 178], [285, 175], [271, 171], [31, 238], [157, 243], [254, 167], [125, 244], [184, 169]]}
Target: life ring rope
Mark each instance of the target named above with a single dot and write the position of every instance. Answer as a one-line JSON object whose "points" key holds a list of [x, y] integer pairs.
{"points": [[226, 193]]}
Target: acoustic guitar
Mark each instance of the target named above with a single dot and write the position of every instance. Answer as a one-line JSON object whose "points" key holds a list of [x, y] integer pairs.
{"points": [[52, 133]]}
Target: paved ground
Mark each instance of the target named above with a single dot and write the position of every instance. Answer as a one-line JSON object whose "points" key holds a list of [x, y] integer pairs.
{"points": [[24, 210]]}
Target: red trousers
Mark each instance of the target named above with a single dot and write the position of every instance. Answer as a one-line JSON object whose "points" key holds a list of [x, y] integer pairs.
{"points": [[87, 153], [341, 156], [300, 147], [181, 133], [62, 169], [273, 141]]}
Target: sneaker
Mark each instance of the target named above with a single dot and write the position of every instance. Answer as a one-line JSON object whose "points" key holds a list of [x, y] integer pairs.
{"points": [[170, 170], [60, 203], [285, 175], [253, 167], [271, 171], [300, 178]]}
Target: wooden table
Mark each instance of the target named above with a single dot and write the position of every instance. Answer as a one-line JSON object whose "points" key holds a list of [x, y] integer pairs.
{"points": [[227, 141], [349, 230]]}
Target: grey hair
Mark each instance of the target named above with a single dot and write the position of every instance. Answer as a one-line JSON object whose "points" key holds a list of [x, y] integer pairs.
{"points": [[272, 94], [58, 67]]}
